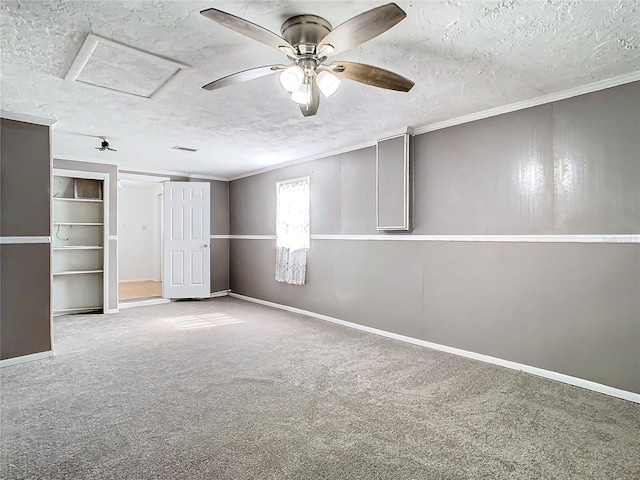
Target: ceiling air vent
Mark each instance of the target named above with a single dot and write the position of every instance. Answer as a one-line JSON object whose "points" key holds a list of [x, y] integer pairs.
{"points": [[184, 149]]}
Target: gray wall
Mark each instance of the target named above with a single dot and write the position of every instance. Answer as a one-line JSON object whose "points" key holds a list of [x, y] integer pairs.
{"points": [[25, 210], [571, 167], [219, 225]]}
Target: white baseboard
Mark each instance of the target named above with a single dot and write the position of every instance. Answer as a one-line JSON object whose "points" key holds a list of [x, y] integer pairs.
{"points": [[26, 358], [143, 303], [221, 293], [560, 377]]}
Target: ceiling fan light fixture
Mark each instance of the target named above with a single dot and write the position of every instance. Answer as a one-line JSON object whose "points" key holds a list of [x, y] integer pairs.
{"points": [[327, 83], [308, 40], [302, 95], [291, 78]]}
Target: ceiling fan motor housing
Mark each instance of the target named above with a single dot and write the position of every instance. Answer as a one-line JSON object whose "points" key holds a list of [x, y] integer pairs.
{"points": [[305, 32]]}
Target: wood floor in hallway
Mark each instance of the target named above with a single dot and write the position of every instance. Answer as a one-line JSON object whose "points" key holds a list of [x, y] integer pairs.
{"points": [[136, 290]]}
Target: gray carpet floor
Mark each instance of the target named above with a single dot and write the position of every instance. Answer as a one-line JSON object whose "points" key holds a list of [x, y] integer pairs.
{"points": [[225, 389]]}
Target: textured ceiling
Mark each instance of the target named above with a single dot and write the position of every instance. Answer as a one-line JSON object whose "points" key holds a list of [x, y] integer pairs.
{"points": [[465, 57]]}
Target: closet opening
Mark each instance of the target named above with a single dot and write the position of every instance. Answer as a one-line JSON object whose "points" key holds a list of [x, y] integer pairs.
{"points": [[79, 226], [140, 225]]}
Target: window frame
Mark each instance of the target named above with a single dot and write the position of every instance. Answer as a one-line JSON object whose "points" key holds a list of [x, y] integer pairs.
{"points": [[307, 178]]}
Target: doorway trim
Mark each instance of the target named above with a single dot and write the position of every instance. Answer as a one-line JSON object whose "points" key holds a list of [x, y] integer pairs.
{"points": [[140, 177]]}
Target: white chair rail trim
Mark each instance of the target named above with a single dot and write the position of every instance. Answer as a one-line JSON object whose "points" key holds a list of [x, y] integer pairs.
{"points": [[22, 240], [591, 238]]}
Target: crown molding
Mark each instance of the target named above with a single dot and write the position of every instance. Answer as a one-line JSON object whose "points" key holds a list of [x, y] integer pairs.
{"points": [[492, 112], [396, 133], [331, 153], [138, 170], [532, 102], [198, 176], [73, 158], [23, 117], [175, 173]]}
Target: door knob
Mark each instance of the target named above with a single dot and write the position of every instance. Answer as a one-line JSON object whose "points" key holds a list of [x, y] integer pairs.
{"points": [[205, 246]]}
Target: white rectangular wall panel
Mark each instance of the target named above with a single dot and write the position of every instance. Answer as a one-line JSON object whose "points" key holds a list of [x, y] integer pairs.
{"points": [[393, 161]]}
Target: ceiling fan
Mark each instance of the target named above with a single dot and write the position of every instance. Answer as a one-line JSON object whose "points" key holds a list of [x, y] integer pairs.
{"points": [[308, 40], [104, 145]]}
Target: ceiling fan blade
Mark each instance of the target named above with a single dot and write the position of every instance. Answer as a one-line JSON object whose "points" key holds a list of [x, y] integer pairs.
{"points": [[362, 28], [370, 75], [312, 107], [244, 76], [248, 29]]}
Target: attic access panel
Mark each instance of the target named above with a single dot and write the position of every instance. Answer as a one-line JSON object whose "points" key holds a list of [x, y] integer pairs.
{"points": [[121, 68]]}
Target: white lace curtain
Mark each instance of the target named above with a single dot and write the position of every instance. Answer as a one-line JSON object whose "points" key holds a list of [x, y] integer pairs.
{"points": [[292, 231]]}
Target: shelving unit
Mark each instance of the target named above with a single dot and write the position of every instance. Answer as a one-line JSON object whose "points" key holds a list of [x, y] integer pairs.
{"points": [[78, 272], [85, 200], [78, 244], [78, 223]]}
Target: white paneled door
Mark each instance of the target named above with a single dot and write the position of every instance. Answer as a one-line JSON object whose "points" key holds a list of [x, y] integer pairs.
{"points": [[186, 240]]}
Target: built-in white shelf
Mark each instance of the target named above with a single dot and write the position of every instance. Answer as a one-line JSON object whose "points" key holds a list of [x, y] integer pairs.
{"points": [[79, 223], [91, 200], [78, 272], [84, 224]]}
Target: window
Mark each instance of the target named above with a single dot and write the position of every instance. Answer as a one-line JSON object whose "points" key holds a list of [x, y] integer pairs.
{"points": [[292, 230], [292, 217]]}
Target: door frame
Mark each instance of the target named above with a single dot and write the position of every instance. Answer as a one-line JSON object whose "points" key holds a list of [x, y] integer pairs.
{"points": [[139, 177]]}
